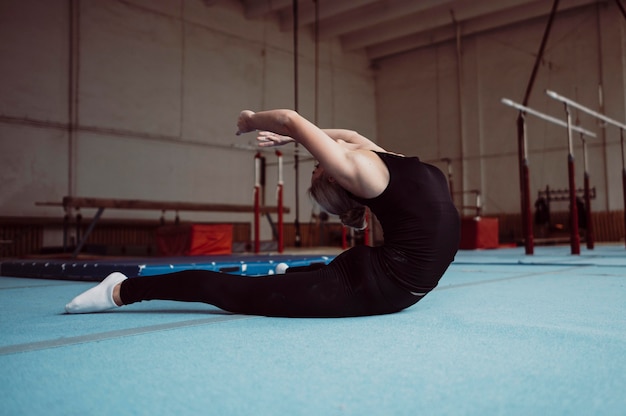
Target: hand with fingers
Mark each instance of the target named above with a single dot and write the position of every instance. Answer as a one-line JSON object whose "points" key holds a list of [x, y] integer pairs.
{"points": [[270, 139]]}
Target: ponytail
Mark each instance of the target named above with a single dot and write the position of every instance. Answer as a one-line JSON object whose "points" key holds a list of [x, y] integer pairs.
{"points": [[336, 200], [354, 218]]}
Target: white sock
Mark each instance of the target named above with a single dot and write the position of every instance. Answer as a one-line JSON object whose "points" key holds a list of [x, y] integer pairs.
{"points": [[96, 299], [281, 268]]}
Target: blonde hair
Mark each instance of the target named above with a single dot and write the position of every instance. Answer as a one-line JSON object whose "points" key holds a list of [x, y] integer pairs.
{"points": [[336, 200]]}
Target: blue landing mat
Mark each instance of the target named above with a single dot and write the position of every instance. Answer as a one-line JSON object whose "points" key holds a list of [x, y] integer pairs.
{"points": [[96, 270], [498, 336], [604, 255]]}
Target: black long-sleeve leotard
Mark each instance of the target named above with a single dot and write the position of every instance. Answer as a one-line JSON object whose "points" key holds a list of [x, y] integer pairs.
{"points": [[421, 237]]}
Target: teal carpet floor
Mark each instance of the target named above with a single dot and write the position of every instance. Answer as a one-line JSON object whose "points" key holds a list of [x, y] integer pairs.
{"points": [[503, 334]]}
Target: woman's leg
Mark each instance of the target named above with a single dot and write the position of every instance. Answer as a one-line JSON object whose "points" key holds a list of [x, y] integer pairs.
{"points": [[347, 287], [296, 294], [350, 286], [301, 294]]}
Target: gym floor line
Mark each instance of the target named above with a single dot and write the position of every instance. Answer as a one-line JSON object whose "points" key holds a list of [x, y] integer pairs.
{"points": [[503, 333]]}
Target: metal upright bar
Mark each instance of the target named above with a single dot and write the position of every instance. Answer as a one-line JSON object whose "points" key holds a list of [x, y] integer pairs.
{"points": [[621, 133], [296, 159], [529, 242], [524, 169], [589, 234], [81, 241], [607, 120], [279, 203], [257, 203], [450, 175], [573, 208], [66, 227]]}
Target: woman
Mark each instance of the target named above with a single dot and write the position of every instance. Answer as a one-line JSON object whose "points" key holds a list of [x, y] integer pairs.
{"points": [[410, 199]]}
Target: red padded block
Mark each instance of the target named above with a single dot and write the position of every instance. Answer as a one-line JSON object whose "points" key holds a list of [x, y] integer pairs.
{"points": [[195, 239], [479, 232]]}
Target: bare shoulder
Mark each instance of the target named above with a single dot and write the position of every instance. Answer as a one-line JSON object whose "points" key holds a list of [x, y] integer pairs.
{"points": [[372, 175]]}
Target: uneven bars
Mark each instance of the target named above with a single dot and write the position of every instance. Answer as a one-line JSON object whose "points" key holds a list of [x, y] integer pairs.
{"points": [[621, 126], [581, 107], [546, 117]]}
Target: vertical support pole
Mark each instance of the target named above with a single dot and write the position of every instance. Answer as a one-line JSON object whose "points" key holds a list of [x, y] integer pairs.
{"points": [[296, 164], [521, 138], [366, 232], [588, 217], [621, 136], [257, 203], [450, 175], [279, 203], [316, 30], [80, 241], [527, 225], [66, 226], [574, 235], [79, 225], [73, 92]]}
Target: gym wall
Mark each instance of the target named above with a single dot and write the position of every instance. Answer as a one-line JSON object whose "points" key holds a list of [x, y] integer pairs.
{"points": [[443, 101], [139, 99]]}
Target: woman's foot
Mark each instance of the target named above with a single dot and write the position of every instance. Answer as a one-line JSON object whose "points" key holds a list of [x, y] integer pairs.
{"points": [[100, 298]]}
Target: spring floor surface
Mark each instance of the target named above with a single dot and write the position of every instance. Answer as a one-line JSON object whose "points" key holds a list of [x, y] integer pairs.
{"points": [[503, 334]]}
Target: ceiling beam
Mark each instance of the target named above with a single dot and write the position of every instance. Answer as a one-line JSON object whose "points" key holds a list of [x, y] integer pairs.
{"points": [[327, 9], [258, 8], [482, 23], [374, 14], [429, 20]]}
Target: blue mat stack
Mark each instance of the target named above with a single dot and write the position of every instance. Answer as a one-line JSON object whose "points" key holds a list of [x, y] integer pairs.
{"points": [[96, 270]]}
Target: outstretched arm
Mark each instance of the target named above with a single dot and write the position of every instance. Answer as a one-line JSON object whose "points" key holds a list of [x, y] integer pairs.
{"points": [[353, 166], [350, 137], [354, 138]]}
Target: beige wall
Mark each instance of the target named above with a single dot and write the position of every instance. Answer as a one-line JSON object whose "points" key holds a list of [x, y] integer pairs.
{"points": [[418, 97], [158, 86]]}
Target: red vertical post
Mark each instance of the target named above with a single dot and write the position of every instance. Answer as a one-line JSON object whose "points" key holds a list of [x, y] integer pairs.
{"points": [[527, 225], [573, 208], [574, 235], [589, 234], [624, 193], [257, 203], [279, 203], [529, 240], [366, 232], [621, 135]]}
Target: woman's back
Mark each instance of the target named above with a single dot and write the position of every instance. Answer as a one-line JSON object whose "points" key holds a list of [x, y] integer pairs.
{"points": [[420, 223]]}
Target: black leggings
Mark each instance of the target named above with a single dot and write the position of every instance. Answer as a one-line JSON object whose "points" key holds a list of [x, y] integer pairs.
{"points": [[351, 285]]}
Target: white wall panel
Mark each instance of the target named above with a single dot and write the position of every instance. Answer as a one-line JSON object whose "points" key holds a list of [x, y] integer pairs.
{"points": [[417, 95], [130, 68], [33, 168], [34, 59], [160, 85]]}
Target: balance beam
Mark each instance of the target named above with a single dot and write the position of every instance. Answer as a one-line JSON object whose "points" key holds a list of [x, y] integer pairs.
{"points": [[69, 202]]}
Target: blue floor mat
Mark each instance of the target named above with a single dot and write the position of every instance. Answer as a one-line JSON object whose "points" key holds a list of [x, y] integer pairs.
{"points": [[96, 270], [501, 336]]}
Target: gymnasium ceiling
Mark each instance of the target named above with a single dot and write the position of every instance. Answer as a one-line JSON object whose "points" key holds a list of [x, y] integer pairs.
{"points": [[387, 27]]}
